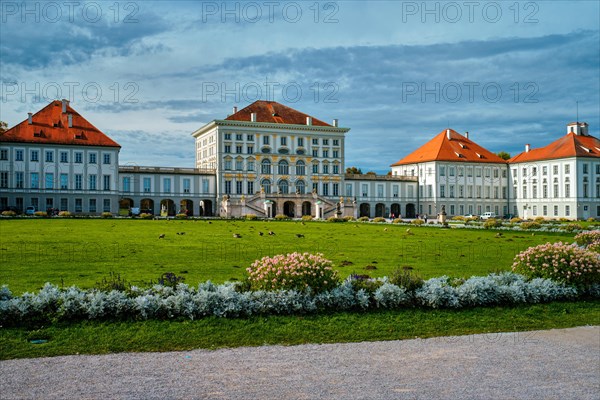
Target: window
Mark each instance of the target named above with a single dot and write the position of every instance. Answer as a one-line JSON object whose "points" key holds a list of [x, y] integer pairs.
{"points": [[442, 191], [251, 166], [92, 158], [239, 164], [300, 142], [451, 171], [78, 205], [92, 205], [126, 184], [555, 169], [348, 190], [239, 187], [283, 141], [315, 142], [567, 211], [64, 181], [478, 172], [167, 185], [78, 158], [325, 189], [545, 210], [461, 171], [544, 170], [250, 138], [325, 168], [19, 180], [64, 204], [4, 179], [316, 187], [365, 190], [336, 169], [205, 186], [379, 190], [504, 173], [534, 208], [461, 191], [228, 136], [300, 187], [504, 192], [265, 140], [585, 168], [315, 152], [315, 168], [545, 191], [442, 171], [395, 191], [105, 182], [534, 171], [336, 142], [265, 167], [326, 153], [49, 156], [239, 137], [49, 181], [3, 154], [250, 150], [19, 155], [524, 191], [64, 157], [35, 155], [250, 187], [266, 186], [227, 148], [147, 185], [92, 182], [555, 211], [336, 154], [283, 187], [186, 185], [239, 149], [567, 168], [567, 190], [228, 187], [534, 192], [300, 168], [325, 142], [451, 191], [283, 168], [106, 205], [227, 164], [35, 182], [496, 192], [496, 173]]}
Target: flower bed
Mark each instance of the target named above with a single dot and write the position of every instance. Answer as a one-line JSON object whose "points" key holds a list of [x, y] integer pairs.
{"points": [[52, 303]]}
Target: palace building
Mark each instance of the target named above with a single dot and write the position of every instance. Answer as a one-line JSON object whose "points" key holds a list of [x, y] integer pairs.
{"points": [[268, 159]]}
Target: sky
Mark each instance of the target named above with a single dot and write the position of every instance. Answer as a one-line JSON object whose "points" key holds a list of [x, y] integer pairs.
{"points": [[149, 73]]}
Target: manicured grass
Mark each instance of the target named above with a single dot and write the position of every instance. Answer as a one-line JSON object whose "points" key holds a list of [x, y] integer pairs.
{"points": [[212, 333], [83, 251]]}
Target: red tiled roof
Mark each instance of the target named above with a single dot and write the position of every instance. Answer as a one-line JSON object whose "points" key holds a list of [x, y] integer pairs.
{"points": [[51, 126], [457, 149], [570, 145], [274, 112]]}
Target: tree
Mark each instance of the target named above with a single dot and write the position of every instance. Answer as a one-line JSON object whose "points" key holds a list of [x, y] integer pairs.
{"points": [[3, 126], [353, 170], [503, 155], [371, 173]]}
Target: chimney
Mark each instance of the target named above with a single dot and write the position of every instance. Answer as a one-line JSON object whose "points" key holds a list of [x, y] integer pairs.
{"points": [[234, 109], [70, 116], [29, 118], [335, 122], [65, 103], [527, 147], [253, 117], [467, 134], [308, 120], [448, 133]]}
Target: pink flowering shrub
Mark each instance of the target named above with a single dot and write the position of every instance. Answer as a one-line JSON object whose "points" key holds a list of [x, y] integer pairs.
{"points": [[293, 271], [587, 238], [561, 262]]}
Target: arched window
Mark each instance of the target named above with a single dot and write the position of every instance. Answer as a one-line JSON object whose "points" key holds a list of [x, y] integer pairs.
{"points": [[266, 185], [300, 168], [284, 186], [284, 168], [300, 187], [265, 167]]}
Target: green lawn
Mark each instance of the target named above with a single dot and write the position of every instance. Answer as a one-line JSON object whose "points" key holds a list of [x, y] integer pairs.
{"points": [[83, 251], [210, 333]]}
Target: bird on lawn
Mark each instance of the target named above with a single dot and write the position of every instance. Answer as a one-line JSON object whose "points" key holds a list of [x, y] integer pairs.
{"points": [[237, 235], [271, 233], [161, 236], [299, 235], [260, 233]]}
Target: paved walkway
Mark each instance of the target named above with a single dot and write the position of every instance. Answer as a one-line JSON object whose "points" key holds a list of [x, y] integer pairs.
{"points": [[555, 364]]}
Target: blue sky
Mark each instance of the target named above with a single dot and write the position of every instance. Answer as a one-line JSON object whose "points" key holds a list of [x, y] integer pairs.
{"points": [[396, 73]]}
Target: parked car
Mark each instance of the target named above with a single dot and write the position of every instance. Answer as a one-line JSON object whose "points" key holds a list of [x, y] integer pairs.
{"points": [[30, 210], [471, 216], [488, 215]]}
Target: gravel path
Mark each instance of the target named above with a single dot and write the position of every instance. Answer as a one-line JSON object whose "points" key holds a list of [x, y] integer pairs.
{"points": [[555, 364]]}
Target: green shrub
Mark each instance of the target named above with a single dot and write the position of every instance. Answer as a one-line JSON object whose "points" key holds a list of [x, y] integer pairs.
{"points": [[492, 223], [334, 219], [41, 214], [397, 221], [9, 213], [379, 219], [540, 220], [250, 217], [363, 219], [170, 279], [181, 216], [515, 220], [530, 225], [459, 218], [307, 218], [113, 282], [586, 238], [559, 261], [563, 219], [404, 277], [295, 271], [146, 216], [365, 282], [349, 218], [281, 217], [106, 215], [417, 222], [64, 214], [591, 219]]}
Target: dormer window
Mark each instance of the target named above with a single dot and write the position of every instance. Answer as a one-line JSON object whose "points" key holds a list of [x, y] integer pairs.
{"points": [[458, 154], [479, 155]]}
